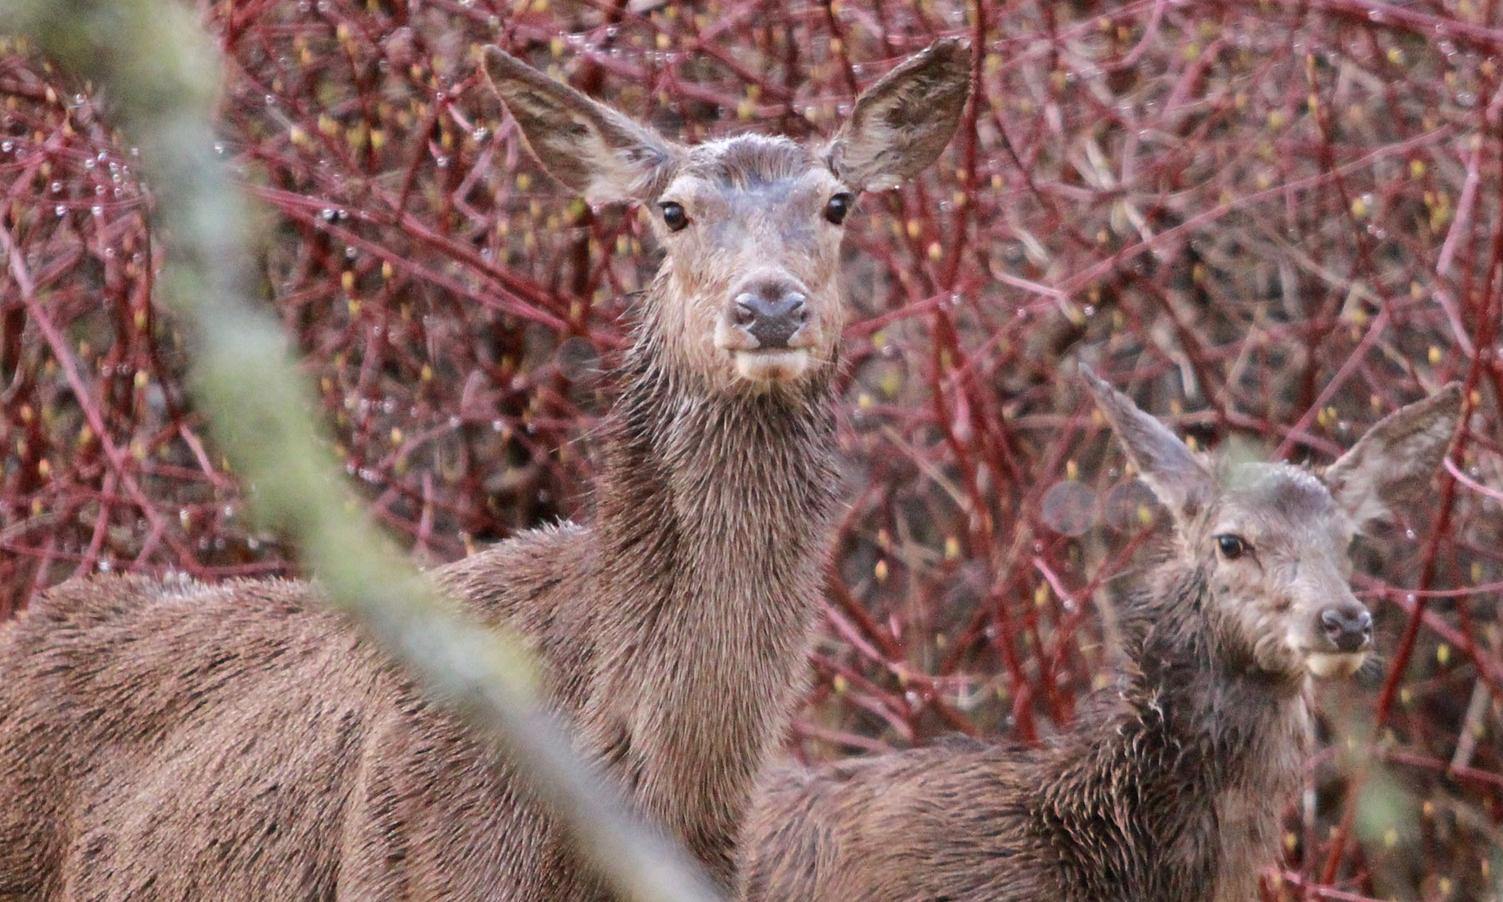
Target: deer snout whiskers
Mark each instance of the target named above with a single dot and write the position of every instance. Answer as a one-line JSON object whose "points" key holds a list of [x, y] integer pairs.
{"points": [[1343, 637], [1348, 627], [766, 326], [774, 315]]}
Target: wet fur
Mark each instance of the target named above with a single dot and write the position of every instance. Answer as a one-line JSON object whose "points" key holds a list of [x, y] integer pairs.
{"points": [[1169, 787], [237, 740], [1171, 784]]}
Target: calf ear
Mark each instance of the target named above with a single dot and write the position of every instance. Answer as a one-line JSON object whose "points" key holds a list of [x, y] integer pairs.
{"points": [[594, 150], [901, 124], [1392, 464], [1164, 462]]}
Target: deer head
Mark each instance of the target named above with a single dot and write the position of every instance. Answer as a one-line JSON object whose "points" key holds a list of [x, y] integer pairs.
{"points": [[748, 292], [1271, 539]]}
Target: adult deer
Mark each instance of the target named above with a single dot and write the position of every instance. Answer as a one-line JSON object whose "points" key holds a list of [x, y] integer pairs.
{"points": [[240, 742], [1171, 784]]}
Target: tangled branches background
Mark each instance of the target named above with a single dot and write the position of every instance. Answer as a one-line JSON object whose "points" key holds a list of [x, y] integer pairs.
{"points": [[1270, 222]]}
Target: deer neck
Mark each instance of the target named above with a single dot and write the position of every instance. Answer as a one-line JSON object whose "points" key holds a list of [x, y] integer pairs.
{"points": [[701, 485], [1226, 740], [713, 511]]}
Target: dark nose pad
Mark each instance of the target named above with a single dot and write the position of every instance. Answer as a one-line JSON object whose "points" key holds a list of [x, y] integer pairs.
{"points": [[1349, 629], [772, 313]]}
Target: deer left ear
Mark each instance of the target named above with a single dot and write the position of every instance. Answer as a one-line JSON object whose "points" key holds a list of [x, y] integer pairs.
{"points": [[901, 124], [1392, 464], [1164, 462]]}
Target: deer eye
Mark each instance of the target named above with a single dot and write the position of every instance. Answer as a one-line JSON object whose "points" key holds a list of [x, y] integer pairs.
{"points": [[674, 216], [1232, 547], [839, 207]]}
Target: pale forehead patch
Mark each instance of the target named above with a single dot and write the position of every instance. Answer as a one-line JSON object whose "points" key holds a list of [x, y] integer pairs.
{"points": [[1292, 492], [750, 160]]}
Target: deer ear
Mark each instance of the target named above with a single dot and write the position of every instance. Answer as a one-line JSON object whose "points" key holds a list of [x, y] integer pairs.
{"points": [[1162, 460], [902, 123], [1392, 464], [591, 148]]}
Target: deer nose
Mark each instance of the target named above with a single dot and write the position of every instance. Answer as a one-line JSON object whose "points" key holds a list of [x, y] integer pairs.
{"points": [[772, 313], [1349, 629]]}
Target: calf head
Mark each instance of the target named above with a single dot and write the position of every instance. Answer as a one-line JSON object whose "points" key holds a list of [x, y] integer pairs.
{"points": [[1271, 539]]}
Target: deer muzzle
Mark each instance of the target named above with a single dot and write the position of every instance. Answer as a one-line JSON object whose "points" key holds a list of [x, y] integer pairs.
{"points": [[1349, 628], [772, 313]]}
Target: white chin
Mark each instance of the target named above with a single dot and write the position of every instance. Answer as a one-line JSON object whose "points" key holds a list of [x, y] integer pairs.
{"points": [[771, 366], [1326, 665]]}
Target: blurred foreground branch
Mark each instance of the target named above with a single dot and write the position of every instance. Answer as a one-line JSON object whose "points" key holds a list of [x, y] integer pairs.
{"points": [[164, 73]]}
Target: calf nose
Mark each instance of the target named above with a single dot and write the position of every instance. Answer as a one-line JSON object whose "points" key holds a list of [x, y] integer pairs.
{"points": [[772, 313], [1349, 629]]}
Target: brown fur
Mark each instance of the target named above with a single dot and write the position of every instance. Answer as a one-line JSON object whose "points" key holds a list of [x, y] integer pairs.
{"points": [[1171, 784], [237, 741]]}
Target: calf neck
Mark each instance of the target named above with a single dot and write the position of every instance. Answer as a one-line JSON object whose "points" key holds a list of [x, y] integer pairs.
{"points": [[1171, 785]]}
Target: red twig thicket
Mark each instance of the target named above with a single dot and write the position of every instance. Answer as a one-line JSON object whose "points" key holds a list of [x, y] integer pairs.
{"points": [[1269, 221]]}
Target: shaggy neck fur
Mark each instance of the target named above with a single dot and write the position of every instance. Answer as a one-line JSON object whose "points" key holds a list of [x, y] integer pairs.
{"points": [[713, 512], [1202, 755]]}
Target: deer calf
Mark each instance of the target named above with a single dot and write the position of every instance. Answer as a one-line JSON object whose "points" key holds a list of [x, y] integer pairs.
{"points": [[1171, 784], [238, 741]]}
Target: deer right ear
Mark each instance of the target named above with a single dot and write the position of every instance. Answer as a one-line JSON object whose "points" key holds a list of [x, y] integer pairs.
{"points": [[591, 148], [1162, 460], [1393, 462], [901, 124]]}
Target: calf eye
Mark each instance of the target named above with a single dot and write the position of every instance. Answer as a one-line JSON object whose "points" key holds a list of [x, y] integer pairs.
{"points": [[1232, 547], [674, 216], [838, 207]]}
